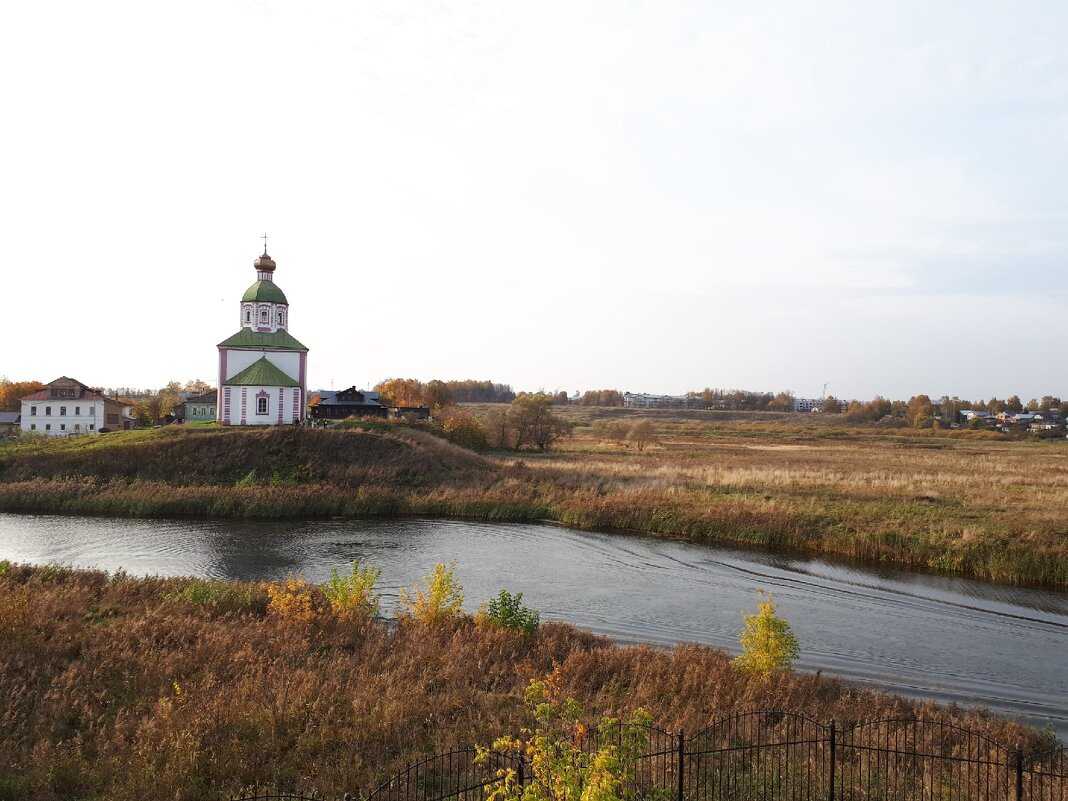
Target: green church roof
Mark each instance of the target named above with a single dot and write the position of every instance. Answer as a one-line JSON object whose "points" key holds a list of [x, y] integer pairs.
{"points": [[261, 374], [264, 292], [254, 340]]}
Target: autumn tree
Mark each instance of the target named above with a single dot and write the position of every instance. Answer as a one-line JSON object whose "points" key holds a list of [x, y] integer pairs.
{"points": [[768, 643], [602, 397], [12, 392], [400, 392], [920, 412], [152, 408], [197, 387], [532, 424], [831, 405], [642, 434], [783, 402], [1013, 404], [458, 425]]}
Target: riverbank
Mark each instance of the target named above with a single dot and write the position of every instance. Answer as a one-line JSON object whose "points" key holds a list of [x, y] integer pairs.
{"points": [[985, 509], [126, 688]]}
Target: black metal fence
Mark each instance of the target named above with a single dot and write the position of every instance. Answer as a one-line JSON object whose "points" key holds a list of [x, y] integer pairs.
{"points": [[780, 756]]}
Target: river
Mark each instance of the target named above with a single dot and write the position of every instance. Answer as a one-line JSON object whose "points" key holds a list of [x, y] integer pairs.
{"points": [[925, 636]]}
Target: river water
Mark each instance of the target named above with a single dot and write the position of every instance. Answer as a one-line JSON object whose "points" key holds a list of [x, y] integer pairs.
{"points": [[952, 640]]}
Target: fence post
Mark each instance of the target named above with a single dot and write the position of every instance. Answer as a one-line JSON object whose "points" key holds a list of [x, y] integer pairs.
{"points": [[519, 773], [1019, 773], [833, 738], [682, 764]]}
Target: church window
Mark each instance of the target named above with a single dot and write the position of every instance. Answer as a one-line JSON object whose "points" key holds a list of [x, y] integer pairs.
{"points": [[248, 316], [263, 316], [261, 406], [281, 318]]}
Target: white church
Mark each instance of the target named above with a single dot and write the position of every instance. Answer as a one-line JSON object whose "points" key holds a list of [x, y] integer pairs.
{"points": [[262, 369]]}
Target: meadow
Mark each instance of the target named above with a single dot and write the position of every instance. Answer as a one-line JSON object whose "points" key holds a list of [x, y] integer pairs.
{"points": [[129, 688], [962, 502]]}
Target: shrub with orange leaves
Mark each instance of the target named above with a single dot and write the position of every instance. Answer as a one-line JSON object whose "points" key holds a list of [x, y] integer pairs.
{"points": [[293, 599]]}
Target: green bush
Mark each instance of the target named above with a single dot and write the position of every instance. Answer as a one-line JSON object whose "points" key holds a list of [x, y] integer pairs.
{"points": [[354, 592], [221, 597], [507, 611]]}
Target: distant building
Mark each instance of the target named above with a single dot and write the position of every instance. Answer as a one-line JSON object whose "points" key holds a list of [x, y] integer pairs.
{"points": [[9, 423], [262, 368], [349, 402], [198, 408], [641, 400], [807, 404], [65, 407]]}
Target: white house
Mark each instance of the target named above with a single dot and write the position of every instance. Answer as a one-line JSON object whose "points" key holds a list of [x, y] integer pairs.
{"points": [[262, 368], [66, 407]]}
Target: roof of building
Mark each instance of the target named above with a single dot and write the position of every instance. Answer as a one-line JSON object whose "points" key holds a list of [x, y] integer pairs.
{"points": [[264, 292], [261, 374], [207, 397], [9, 418], [332, 399], [254, 340]]}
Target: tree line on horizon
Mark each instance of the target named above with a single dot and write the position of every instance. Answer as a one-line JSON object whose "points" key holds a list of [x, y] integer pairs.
{"points": [[152, 406]]}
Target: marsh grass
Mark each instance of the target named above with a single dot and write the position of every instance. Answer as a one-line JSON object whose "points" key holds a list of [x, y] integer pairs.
{"points": [[130, 688], [949, 502]]}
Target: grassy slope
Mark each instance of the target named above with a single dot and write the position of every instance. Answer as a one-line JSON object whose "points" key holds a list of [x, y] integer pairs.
{"points": [[124, 688], [988, 509]]}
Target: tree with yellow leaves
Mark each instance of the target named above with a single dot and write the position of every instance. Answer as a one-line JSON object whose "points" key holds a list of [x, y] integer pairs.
{"points": [[768, 642], [440, 598]]}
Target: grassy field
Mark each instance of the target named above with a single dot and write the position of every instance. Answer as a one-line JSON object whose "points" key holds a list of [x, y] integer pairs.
{"points": [[954, 501], [127, 688]]}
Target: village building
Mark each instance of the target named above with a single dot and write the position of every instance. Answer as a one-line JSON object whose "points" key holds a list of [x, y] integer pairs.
{"points": [[349, 402], [66, 407], [197, 408], [9, 423], [262, 368]]}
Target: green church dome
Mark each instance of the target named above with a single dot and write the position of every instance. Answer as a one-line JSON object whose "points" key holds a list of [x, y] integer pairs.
{"points": [[264, 292]]}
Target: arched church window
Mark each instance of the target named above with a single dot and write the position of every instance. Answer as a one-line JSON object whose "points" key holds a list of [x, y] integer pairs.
{"points": [[263, 316], [248, 315], [281, 318]]}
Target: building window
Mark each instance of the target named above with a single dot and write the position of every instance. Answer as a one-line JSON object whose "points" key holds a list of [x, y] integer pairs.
{"points": [[33, 426], [62, 411], [48, 411], [77, 427], [281, 318], [77, 409], [263, 316], [62, 426], [92, 427], [248, 316], [261, 406], [33, 411], [48, 426]]}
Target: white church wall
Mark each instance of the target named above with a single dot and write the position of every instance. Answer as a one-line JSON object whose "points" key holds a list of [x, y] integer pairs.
{"points": [[237, 360], [242, 406]]}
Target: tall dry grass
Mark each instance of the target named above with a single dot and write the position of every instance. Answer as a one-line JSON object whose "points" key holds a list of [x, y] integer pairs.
{"points": [[133, 688], [991, 510]]}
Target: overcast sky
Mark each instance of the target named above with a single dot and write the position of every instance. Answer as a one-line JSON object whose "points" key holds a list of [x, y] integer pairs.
{"points": [[653, 197]]}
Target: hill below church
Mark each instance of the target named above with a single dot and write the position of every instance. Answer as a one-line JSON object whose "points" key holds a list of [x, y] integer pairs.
{"points": [[273, 472]]}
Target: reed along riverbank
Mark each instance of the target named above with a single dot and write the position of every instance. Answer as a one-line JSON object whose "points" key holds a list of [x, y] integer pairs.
{"points": [[127, 688], [983, 509]]}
